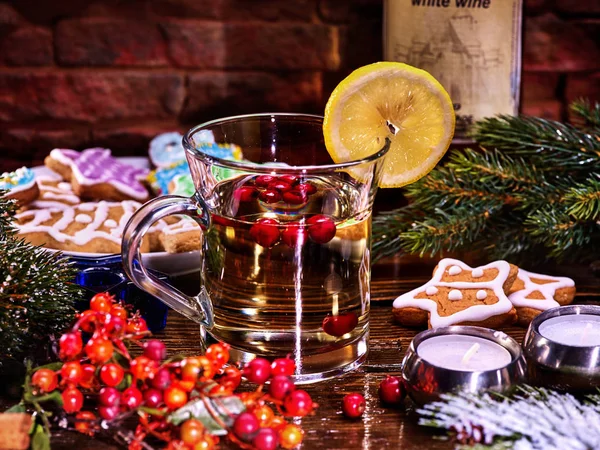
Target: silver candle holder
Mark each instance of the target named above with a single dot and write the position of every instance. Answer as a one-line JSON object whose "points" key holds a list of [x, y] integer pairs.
{"points": [[562, 348], [461, 358]]}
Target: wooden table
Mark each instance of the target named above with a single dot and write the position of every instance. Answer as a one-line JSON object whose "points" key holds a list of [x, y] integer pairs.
{"points": [[379, 428]]}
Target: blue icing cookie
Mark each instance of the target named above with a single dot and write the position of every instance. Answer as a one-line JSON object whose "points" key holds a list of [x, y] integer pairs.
{"points": [[161, 177], [166, 148], [222, 151], [18, 180]]}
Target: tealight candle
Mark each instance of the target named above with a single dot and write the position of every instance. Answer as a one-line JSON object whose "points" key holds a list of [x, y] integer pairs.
{"points": [[461, 358], [562, 348], [464, 353]]}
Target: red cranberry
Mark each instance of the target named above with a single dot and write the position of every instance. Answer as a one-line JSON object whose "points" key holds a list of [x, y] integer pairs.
{"points": [[258, 371], [70, 345], [114, 324], [353, 405], [245, 426], [340, 325], [270, 196], [290, 179], [223, 221], [161, 379], [109, 396], [283, 366], [295, 197], [391, 391], [307, 188], [298, 403], [281, 386], [155, 350], [280, 185], [245, 193], [264, 180], [294, 234], [266, 439], [153, 398], [108, 412], [321, 228], [131, 397], [265, 232]]}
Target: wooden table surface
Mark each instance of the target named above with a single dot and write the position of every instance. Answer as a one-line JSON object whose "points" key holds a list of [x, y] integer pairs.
{"points": [[379, 428]]}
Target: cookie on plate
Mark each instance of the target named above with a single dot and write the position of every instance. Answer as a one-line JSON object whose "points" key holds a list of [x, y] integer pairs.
{"points": [[96, 175], [54, 191], [20, 185], [460, 295], [181, 236], [533, 293]]}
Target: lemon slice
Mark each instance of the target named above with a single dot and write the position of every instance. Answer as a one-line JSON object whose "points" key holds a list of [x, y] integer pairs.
{"points": [[396, 101]]}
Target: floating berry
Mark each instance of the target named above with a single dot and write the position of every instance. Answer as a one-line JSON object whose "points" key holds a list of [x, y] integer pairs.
{"points": [[161, 379], [291, 179], [307, 188], [258, 371], [266, 439], [281, 386], [109, 396], [391, 391], [191, 431], [131, 397], [290, 436], [270, 196], [341, 324], [45, 380], [155, 350], [298, 404], [279, 185], [321, 229], [293, 234], [245, 426], [72, 400], [295, 197], [353, 405], [245, 193], [111, 374], [71, 372], [265, 232], [175, 397], [70, 346], [264, 414], [108, 412], [283, 366], [153, 397], [218, 353], [99, 350], [264, 180], [102, 302]]}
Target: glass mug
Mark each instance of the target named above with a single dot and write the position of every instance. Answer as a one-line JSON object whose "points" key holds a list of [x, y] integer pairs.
{"points": [[285, 265]]}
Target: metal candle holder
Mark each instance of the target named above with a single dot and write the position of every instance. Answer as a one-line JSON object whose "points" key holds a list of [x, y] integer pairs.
{"points": [[425, 382], [559, 366]]}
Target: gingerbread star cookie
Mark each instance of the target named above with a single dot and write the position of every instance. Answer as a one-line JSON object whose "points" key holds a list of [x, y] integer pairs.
{"points": [[533, 293], [460, 295]]}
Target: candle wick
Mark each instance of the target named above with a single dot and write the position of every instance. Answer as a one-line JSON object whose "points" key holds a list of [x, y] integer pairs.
{"points": [[586, 331], [469, 354]]}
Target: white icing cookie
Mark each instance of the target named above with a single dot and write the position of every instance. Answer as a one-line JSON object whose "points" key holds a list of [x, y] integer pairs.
{"points": [[537, 291]]}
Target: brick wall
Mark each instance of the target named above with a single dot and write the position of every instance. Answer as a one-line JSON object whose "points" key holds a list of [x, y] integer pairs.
{"points": [[116, 72]]}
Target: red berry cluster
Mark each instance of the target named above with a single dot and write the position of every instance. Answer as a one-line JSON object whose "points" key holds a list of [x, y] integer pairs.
{"points": [[267, 232], [117, 384], [273, 189]]}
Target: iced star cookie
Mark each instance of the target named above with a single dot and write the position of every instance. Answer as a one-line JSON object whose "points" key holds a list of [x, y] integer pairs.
{"points": [[96, 175], [54, 191], [460, 295], [533, 293], [20, 185], [86, 227]]}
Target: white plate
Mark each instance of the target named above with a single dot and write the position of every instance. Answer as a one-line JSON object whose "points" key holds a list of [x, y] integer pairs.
{"points": [[168, 263]]}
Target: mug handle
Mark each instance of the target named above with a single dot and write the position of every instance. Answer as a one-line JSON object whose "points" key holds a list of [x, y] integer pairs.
{"points": [[198, 308]]}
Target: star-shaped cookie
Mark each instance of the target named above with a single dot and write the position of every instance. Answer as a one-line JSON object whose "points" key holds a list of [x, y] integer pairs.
{"points": [[460, 295]]}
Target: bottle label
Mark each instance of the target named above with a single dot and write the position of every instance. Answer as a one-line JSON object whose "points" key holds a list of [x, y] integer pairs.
{"points": [[473, 47]]}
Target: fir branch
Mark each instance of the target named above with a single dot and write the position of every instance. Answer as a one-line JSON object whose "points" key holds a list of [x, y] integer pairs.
{"points": [[388, 228], [534, 419], [588, 112], [8, 209], [583, 200], [561, 145]]}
